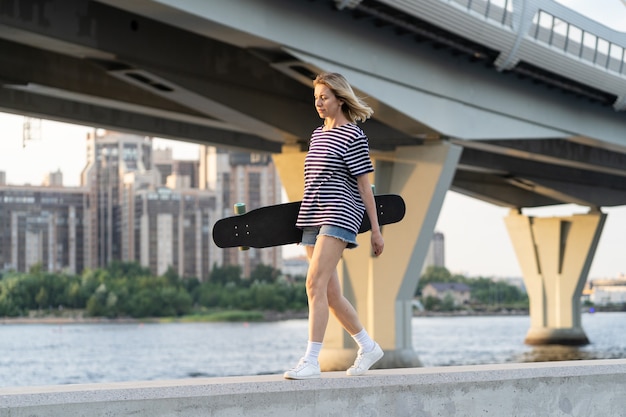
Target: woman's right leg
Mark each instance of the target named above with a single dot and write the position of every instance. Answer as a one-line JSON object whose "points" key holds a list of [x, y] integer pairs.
{"points": [[323, 260]]}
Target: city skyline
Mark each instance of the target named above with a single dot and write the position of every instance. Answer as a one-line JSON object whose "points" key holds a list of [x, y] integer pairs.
{"points": [[135, 203], [476, 239]]}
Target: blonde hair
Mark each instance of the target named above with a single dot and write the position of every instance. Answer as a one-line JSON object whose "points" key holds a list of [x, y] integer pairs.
{"points": [[355, 109]]}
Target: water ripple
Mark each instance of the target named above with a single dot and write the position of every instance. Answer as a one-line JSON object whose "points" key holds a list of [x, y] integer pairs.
{"points": [[39, 354]]}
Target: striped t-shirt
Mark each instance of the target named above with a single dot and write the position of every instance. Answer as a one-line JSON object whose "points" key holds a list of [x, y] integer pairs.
{"points": [[331, 195]]}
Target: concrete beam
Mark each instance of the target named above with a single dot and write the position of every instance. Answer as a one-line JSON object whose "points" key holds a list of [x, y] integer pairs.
{"points": [[130, 119], [496, 188], [572, 153], [578, 388]]}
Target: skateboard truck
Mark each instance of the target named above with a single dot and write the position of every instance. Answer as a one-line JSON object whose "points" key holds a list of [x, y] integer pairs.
{"points": [[240, 208]]}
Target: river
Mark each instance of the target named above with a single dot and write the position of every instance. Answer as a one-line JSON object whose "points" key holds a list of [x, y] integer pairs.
{"points": [[44, 354]]}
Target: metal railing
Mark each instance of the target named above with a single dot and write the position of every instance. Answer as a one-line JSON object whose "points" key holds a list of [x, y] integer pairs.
{"points": [[576, 41], [500, 11], [556, 32]]}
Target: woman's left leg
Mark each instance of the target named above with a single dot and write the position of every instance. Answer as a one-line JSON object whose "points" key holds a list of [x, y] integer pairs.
{"points": [[323, 260], [369, 351], [341, 308]]}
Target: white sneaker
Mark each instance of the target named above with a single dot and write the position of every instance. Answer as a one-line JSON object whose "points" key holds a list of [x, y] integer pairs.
{"points": [[304, 370], [364, 361]]}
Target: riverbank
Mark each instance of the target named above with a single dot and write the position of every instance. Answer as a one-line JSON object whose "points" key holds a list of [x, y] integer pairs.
{"points": [[70, 320], [79, 317], [468, 313]]}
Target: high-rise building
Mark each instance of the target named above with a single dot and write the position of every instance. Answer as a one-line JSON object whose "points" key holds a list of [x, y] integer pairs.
{"points": [[436, 252], [186, 172], [110, 156], [42, 226], [163, 161], [438, 249], [171, 230], [241, 177], [131, 208], [53, 179]]}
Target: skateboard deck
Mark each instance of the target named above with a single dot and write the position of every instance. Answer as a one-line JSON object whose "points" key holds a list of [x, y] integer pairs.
{"points": [[276, 225]]}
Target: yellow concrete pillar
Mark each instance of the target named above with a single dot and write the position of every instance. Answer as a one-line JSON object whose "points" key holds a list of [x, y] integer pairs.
{"points": [[290, 167], [555, 255], [382, 289]]}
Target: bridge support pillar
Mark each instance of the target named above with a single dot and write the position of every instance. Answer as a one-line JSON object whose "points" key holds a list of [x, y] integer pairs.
{"points": [[555, 255], [382, 289]]}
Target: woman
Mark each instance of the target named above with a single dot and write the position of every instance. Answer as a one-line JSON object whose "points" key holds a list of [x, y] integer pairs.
{"points": [[337, 192]]}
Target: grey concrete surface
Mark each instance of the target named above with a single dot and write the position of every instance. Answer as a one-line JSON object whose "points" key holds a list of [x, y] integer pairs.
{"points": [[577, 388]]}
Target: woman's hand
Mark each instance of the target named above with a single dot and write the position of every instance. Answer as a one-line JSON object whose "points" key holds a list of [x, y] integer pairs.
{"points": [[367, 195], [378, 244]]}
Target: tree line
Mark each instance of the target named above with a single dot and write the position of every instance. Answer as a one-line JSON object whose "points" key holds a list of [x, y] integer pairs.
{"points": [[485, 293], [126, 289]]}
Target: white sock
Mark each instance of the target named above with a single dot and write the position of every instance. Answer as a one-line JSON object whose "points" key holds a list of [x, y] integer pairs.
{"points": [[312, 351], [364, 341]]}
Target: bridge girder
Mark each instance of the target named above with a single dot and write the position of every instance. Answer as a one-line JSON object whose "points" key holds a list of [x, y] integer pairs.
{"points": [[151, 67]]}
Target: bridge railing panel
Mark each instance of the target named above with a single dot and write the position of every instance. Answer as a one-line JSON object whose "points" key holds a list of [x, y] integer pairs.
{"points": [[500, 11], [574, 40]]}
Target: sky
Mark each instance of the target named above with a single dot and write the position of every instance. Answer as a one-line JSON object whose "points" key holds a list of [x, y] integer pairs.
{"points": [[476, 240]]}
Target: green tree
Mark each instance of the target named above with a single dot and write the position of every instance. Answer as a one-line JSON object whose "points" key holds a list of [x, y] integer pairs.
{"points": [[264, 273], [496, 293], [266, 298], [97, 303], [437, 274], [447, 304], [431, 303], [127, 289], [127, 269], [225, 274], [42, 298], [171, 276], [207, 295]]}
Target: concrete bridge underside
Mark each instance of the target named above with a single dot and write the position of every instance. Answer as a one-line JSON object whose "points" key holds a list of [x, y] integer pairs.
{"points": [[238, 74]]}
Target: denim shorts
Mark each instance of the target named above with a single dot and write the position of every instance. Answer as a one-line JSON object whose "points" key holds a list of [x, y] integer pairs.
{"points": [[309, 235]]}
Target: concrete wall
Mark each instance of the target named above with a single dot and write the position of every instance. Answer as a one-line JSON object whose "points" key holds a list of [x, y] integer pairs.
{"points": [[580, 388]]}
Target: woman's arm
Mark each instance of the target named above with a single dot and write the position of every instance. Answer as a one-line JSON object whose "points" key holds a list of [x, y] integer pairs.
{"points": [[367, 195]]}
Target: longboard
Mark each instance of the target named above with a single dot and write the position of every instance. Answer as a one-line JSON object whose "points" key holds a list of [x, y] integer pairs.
{"points": [[276, 225]]}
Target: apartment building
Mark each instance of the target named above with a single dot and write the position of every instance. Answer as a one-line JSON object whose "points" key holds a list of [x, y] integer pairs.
{"points": [[43, 226]]}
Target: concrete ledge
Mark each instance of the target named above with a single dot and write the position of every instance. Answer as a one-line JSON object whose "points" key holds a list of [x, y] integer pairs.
{"points": [[578, 388]]}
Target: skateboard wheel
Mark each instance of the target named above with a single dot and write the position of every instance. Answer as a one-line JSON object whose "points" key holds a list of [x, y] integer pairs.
{"points": [[239, 208]]}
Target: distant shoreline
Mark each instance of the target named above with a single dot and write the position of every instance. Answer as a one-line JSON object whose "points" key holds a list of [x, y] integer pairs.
{"points": [[504, 312], [267, 316], [79, 319], [470, 313], [71, 320]]}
